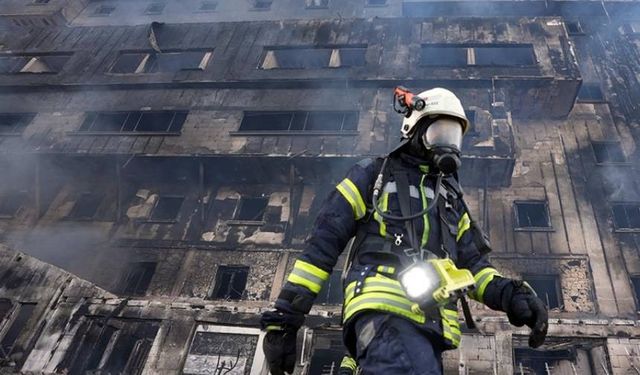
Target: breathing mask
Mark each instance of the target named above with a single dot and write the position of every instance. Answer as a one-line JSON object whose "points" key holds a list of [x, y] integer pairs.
{"points": [[443, 139]]}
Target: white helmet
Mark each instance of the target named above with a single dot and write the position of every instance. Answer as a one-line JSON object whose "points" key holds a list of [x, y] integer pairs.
{"points": [[438, 101]]}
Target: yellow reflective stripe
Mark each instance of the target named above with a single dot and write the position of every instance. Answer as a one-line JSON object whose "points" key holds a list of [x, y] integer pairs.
{"points": [[451, 314], [310, 268], [351, 193], [348, 362], [425, 217], [450, 326], [308, 275], [378, 218], [386, 269], [463, 225], [382, 302], [483, 278], [273, 328]]}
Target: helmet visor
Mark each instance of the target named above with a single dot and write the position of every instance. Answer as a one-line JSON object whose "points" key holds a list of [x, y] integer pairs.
{"points": [[443, 132]]}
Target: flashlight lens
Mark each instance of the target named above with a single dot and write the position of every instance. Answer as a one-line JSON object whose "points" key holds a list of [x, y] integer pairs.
{"points": [[418, 281]]}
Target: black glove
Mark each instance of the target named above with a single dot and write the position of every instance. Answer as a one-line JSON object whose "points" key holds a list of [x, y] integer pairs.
{"points": [[524, 307], [280, 351], [279, 344]]}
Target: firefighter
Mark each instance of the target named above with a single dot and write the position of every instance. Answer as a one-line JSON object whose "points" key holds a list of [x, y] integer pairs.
{"points": [[416, 252]]}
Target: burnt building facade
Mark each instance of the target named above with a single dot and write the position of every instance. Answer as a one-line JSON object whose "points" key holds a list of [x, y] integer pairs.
{"points": [[159, 179]]}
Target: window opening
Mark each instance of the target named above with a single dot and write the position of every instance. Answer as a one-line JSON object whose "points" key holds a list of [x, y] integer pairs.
{"points": [[590, 92], [110, 346], [52, 63], [224, 350], [444, 56], [635, 281], [547, 288], [317, 4], [574, 28], [167, 208], [626, 216], [331, 292], [155, 8], [532, 214], [40, 2], [138, 278], [251, 208], [314, 58], [262, 4], [608, 152], [492, 55], [14, 123], [7, 345], [166, 62], [104, 10], [134, 122], [208, 6], [376, 2], [539, 362], [5, 308], [230, 282], [86, 206], [454, 55], [314, 121], [11, 203]]}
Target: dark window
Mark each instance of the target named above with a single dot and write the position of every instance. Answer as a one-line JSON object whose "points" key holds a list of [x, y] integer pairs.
{"points": [[608, 152], [155, 8], [128, 62], [539, 362], [110, 346], [11, 202], [251, 209], [52, 63], [137, 278], [574, 28], [5, 308], [134, 122], [331, 292], [170, 62], [166, 62], [223, 353], [167, 209], [104, 10], [314, 58], [443, 55], [7, 345], [635, 281], [504, 55], [350, 57], [532, 214], [262, 4], [230, 282], [14, 123], [317, 4], [590, 92], [376, 2], [208, 6], [547, 287], [41, 2], [626, 216], [86, 206], [318, 122]]}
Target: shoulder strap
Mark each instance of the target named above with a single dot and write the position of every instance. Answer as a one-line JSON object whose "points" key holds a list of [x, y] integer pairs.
{"points": [[402, 182]]}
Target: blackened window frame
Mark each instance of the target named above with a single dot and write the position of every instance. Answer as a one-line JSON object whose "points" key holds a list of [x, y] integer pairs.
{"points": [[593, 91], [179, 118], [472, 56], [175, 218], [624, 205], [330, 49], [149, 54], [217, 285], [23, 120], [555, 279], [635, 284], [345, 118], [605, 144], [371, 4], [11, 330], [518, 227], [29, 58], [73, 214], [309, 5], [125, 288], [236, 219]]}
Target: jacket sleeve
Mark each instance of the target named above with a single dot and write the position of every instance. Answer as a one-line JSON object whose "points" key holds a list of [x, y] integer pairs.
{"points": [[489, 282], [334, 227]]}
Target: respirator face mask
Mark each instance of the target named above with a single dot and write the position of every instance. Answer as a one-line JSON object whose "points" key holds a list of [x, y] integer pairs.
{"points": [[443, 139]]}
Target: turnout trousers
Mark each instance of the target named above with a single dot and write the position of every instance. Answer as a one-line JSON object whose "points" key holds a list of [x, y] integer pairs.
{"points": [[391, 345]]}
